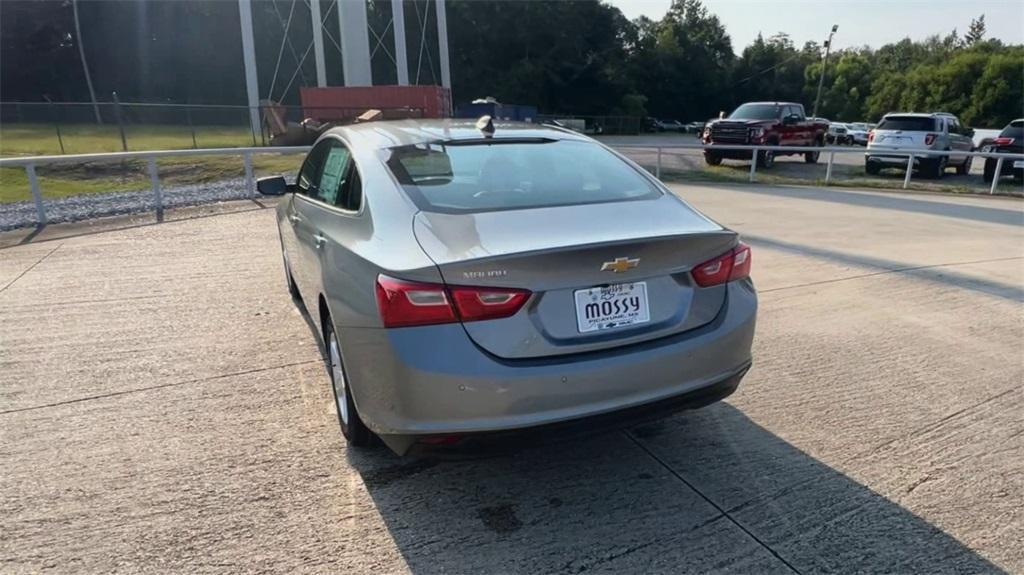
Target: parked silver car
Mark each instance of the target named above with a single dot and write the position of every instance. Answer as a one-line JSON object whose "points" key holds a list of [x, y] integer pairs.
{"points": [[900, 132], [469, 280]]}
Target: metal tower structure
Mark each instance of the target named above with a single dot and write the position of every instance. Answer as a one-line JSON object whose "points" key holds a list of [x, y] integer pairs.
{"points": [[356, 55]]}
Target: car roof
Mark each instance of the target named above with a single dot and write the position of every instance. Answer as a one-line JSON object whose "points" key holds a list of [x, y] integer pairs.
{"points": [[392, 133], [919, 114], [777, 103]]}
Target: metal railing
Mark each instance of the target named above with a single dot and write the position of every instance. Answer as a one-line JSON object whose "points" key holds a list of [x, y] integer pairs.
{"points": [[755, 150], [30, 162]]}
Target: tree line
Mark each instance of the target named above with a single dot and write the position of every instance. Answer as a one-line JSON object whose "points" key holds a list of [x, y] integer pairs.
{"points": [[564, 56]]}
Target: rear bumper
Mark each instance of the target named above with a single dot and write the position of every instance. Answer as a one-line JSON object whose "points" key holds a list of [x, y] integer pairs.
{"points": [[433, 380], [1010, 167], [491, 442], [899, 161]]}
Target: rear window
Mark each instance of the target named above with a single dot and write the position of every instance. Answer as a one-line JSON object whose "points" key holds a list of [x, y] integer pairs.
{"points": [[1015, 130], [908, 124], [496, 175]]}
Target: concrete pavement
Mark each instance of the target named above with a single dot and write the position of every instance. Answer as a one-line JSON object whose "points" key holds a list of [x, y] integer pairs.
{"points": [[163, 408]]}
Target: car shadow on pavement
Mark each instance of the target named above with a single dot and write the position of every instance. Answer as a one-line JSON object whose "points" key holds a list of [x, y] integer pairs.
{"points": [[707, 490], [992, 215], [940, 273]]}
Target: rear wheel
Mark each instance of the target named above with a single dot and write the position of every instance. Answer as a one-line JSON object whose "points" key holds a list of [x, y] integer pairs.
{"points": [[712, 159], [766, 159], [812, 157], [990, 170], [871, 168], [965, 168], [936, 168], [352, 426]]}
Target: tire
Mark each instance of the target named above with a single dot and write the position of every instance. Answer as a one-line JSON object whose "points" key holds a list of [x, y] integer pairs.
{"points": [[713, 159], [766, 159], [965, 168], [990, 170], [812, 157], [936, 168], [352, 426], [871, 168]]}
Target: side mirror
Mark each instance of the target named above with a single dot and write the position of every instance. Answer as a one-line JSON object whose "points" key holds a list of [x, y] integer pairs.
{"points": [[969, 132], [272, 186]]}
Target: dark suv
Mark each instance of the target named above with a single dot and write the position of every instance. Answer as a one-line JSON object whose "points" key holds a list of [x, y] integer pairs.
{"points": [[1010, 141]]}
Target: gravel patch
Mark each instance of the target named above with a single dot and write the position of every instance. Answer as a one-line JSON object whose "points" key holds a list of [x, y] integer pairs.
{"points": [[74, 208]]}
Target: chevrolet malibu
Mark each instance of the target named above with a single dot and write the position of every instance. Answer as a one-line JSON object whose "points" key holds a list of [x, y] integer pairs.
{"points": [[476, 281]]}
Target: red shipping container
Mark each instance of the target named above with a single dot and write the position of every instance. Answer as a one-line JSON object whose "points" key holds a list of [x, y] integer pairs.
{"points": [[344, 103]]}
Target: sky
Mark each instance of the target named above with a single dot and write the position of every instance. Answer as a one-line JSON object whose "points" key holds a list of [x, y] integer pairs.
{"points": [[861, 22]]}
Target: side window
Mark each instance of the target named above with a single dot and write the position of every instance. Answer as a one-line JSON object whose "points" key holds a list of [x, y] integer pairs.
{"points": [[309, 174], [334, 173], [954, 126], [351, 196], [796, 111]]}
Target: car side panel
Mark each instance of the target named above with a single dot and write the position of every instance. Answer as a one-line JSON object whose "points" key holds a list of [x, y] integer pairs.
{"points": [[289, 241], [377, 239]]}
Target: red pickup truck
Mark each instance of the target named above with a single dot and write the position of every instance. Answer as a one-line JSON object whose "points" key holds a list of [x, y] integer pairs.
{"points": [[768, 123]]}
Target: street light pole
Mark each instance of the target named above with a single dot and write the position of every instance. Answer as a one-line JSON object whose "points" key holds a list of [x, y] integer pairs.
{"points": [[824, 66]]}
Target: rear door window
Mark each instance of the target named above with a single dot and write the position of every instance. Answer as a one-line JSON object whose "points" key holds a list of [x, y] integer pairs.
{"points": [[334, 173], [309, 174], [338, 183], [908, 124]]}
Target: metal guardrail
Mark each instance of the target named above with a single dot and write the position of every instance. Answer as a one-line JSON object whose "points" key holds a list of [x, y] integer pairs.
{"points": [[30, 162], [832, 151]]}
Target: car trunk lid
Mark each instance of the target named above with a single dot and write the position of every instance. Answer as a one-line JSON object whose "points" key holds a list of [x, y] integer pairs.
{"points": [[568, 257]]}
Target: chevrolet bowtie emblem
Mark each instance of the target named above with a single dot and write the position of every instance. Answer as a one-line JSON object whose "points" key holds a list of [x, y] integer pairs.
{"points": [[620, 265]]}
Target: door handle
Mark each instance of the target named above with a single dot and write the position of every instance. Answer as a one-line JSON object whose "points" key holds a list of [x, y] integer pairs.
{"points": [[319, 240]]}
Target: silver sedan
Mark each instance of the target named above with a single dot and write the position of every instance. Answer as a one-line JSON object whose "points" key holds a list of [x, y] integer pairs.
{"points": [[475, 281]]}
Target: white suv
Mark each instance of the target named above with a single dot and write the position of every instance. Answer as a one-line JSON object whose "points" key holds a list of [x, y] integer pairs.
{"points": [[938, 132]]}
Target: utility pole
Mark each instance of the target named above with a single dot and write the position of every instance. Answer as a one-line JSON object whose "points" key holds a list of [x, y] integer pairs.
{"points": [[824, 66], [249, 61], [85, 65]]}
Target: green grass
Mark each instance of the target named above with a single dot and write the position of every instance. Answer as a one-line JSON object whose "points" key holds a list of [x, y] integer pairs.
{"points": [[41, 139]]}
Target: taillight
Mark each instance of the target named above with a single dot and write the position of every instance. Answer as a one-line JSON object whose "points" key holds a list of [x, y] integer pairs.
{"points": [[1002, 141], [732, 265], [405, 303], [871, 136], [475, 304], [929, 138]]}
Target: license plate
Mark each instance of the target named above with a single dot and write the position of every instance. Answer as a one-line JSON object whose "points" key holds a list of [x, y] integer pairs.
{"points": [[611, 306], [1018, 164]]}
